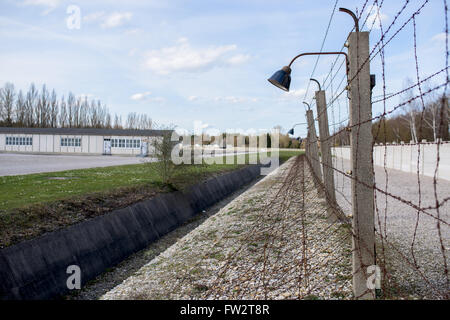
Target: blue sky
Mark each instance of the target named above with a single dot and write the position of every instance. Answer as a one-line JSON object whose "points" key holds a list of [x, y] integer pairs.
{"points": [[208, 60]]}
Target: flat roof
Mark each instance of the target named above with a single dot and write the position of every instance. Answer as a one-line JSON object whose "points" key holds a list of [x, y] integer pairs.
{"points": [[84, 131]]}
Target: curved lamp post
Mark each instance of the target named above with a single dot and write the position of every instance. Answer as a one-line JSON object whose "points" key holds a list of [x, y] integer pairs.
{"points": [[282, 78], [318, 83], [291, 132]]}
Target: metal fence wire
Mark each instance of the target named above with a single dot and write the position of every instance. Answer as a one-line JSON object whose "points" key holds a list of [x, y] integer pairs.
{"points": [[411, 197], [307, 229]]}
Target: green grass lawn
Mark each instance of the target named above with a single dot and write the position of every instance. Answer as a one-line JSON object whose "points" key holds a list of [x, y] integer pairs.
{"points": [[23, 190], [33, 204], [18, 191]]}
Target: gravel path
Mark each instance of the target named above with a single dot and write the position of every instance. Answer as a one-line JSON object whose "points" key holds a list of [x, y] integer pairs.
{"points": [[416, 265], [274, 241], [116, 275]]}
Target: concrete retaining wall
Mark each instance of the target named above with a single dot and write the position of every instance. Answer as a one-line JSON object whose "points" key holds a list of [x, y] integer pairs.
{"points": [[36, 269], [406, 157]]}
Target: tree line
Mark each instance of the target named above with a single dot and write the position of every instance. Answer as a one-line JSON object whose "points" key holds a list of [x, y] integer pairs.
{"points": [[418, 120], [43, 109], [241, 140]]}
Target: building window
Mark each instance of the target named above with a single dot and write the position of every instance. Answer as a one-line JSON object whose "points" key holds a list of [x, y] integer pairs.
{"points": [[70, 142], [19, 141], [126, 143]]}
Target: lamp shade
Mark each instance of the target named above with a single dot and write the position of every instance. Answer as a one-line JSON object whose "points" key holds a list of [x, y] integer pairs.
{"points": [[281, 78], [291, 131]]}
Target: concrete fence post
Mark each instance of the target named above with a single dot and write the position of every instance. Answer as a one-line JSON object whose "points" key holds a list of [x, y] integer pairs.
{"points": [[325, 148], [313, 148], [306, 141], [362, 166]]}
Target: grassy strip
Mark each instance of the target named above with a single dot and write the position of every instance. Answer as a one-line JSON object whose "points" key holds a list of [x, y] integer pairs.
{"points": [[33, 204]]}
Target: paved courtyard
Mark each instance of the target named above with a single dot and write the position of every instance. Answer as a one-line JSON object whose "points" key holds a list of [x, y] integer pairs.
{"points": [[16, 164]]}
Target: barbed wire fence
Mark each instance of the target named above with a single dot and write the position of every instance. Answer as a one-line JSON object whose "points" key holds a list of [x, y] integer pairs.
{"points": [[378, 229], [409, 212], [395, 240]]}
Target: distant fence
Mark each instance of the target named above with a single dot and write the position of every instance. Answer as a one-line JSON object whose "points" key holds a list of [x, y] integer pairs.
{"points": [[399, 223], [411, 158]]}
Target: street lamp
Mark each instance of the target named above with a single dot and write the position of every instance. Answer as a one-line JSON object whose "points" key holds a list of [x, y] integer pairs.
{"points": [[318, 83], [291, 132], [282, 78]]}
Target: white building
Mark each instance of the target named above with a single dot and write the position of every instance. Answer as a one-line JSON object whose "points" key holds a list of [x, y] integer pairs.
{"points": [[78, 140]]}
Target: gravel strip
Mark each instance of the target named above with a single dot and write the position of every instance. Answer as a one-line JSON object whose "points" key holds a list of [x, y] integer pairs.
{"points": [[272, 242], [114, 276]]}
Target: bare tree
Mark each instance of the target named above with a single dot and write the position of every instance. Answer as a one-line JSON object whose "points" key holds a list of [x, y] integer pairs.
{"points": [[1, 105], [41, 112], [54, 110], [70, 109], [444, 119], [63, 121], [108, 121], [44, 109], [131, 120], [117, 122], [84, 114], [20, 109], [7, 95], [30, 106], [144, 122], [162, 152], [77, 112], [102, 111], [411, 110]]}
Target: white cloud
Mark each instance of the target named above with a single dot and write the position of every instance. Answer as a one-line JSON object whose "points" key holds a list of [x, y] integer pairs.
{"points": [[93, 16], [111, 20], [375, 17], [49, 4], [140, 96], [440, 37], [146, 96], [183, 57], [239, 59], [116, 19], [44, 3], [295, 93], [233, 99], [192, 98]]}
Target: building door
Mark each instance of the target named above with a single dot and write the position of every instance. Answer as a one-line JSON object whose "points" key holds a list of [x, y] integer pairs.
{"points": [[144, 148], [107, 146]]}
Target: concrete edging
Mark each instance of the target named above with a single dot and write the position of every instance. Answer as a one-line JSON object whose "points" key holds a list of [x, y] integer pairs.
{"points": [[36, 269]]}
